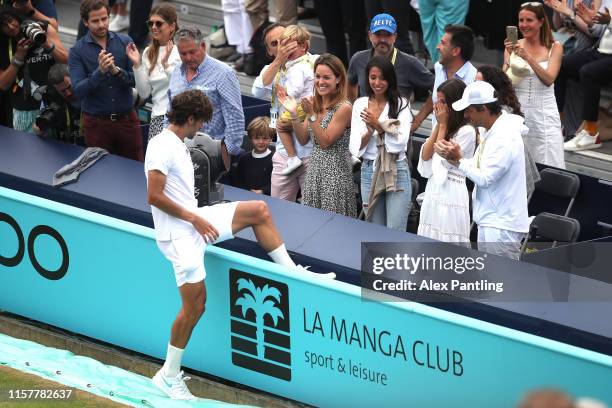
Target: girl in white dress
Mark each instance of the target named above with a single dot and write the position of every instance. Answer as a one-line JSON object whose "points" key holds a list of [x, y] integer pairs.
{"points": [[540, 60], [445, 212]]}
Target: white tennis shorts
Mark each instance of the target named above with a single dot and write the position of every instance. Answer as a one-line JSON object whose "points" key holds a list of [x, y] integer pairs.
{"points": [[186, 253]]}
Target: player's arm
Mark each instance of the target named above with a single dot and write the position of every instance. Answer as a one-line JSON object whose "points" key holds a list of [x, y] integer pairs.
{"points": [[157, 198]]}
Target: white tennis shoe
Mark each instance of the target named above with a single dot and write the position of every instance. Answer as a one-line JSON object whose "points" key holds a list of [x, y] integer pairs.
{"points": [[175, 387], [304, 269]]}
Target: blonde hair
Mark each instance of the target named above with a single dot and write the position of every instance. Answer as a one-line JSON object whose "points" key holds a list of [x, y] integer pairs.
{"points": [[260, 126], [296, 33]]}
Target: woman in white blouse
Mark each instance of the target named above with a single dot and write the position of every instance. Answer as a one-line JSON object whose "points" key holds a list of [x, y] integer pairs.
{"points": [[152, 72], [445, 212], [380, 132]]}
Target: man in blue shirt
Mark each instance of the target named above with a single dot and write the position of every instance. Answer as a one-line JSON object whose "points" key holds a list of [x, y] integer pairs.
{"points": [[217, 80], [102, 77]]}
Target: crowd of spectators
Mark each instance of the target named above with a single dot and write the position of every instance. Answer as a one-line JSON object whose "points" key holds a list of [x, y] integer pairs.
{"points": [[350, 108]]}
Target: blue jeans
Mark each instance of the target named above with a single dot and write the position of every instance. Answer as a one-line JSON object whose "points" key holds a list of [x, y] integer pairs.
{"points": [[391, 208]]}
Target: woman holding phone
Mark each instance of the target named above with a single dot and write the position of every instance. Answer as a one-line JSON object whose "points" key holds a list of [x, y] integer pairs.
{"points": [[533, 64]]}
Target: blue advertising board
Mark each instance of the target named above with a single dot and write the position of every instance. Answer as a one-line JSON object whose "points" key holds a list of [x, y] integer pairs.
{"points": [[312, 341]]}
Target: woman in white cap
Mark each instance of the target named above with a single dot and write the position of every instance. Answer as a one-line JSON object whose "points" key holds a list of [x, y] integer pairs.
{"points": [[533, 64]]}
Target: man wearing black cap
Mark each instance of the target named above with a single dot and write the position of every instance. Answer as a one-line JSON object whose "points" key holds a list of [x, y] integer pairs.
{"points": [[411, 73]]}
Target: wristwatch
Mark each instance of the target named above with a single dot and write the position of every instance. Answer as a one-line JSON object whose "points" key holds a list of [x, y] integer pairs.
{"points": [[312, 118]]}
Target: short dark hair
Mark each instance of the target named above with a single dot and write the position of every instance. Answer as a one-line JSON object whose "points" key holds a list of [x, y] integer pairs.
{"points": [[463, 37], [494, 107], [57, 73], [187, 104], [87, 6]]}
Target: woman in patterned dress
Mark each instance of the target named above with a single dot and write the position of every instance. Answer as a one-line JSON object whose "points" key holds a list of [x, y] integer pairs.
{"points": [[329, 181]]}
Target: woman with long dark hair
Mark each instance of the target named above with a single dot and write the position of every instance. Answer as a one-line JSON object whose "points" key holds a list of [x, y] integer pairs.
{"points": [[510, 104], [152, 73], [445, 212], [380, 132], [533, 64], [329, 179]]}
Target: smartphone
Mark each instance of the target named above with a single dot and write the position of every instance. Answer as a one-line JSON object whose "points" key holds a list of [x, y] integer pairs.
{"points": [[512, 34]]}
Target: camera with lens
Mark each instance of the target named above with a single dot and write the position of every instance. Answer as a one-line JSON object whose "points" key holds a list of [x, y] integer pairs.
{"points": [[50, 117], [34, 30]]}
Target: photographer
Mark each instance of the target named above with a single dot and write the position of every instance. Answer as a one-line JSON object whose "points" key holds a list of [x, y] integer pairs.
{"points": [[36, 47], [42, 10], [60, 115]]}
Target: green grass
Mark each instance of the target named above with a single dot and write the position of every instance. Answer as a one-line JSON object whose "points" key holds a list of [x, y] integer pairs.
{"points": [[11, 379]]}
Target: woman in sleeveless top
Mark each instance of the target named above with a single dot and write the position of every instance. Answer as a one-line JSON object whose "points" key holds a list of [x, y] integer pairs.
{"points": [[506, 96], [540, 58], [329, 181]]}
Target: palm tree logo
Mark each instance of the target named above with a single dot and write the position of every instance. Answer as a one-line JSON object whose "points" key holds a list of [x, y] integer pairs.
{"points": [[260, 316], [263, 301]]}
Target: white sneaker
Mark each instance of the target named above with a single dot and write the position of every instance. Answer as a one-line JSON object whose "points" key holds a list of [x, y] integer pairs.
{"points": [[304, 269], [175, 387], [582, 141], [120, 23], [292, 164]]}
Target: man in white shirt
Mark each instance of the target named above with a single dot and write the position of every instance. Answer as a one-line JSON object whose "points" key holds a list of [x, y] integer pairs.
{"points": [[497, 170], [456, 49], [283, 186], [183, 230]]}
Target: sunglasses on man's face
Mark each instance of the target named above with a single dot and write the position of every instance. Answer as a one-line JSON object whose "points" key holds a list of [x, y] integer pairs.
{"points": [[157, 23]]}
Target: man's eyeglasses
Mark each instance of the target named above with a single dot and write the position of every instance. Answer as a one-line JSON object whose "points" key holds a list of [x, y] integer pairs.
{"points": [[157, 23]]}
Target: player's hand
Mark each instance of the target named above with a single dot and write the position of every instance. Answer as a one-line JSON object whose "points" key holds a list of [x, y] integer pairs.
{"points": [[208, 232]]}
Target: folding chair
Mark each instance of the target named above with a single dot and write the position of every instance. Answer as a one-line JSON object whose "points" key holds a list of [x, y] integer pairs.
{"points": [[559, 183], [547, 227]]}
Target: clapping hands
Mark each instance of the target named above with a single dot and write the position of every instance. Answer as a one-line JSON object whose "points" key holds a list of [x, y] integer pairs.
{"points": [[288, 102]]}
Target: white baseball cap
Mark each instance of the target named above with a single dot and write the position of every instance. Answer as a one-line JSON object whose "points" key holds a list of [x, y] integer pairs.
{"points": [[476, 93]]}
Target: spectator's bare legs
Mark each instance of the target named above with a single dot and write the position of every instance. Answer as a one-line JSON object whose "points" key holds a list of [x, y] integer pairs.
{"points": [[590, 126]]}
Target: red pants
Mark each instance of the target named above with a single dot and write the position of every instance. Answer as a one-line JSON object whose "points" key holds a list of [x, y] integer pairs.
{"points": [[121, 137]]}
